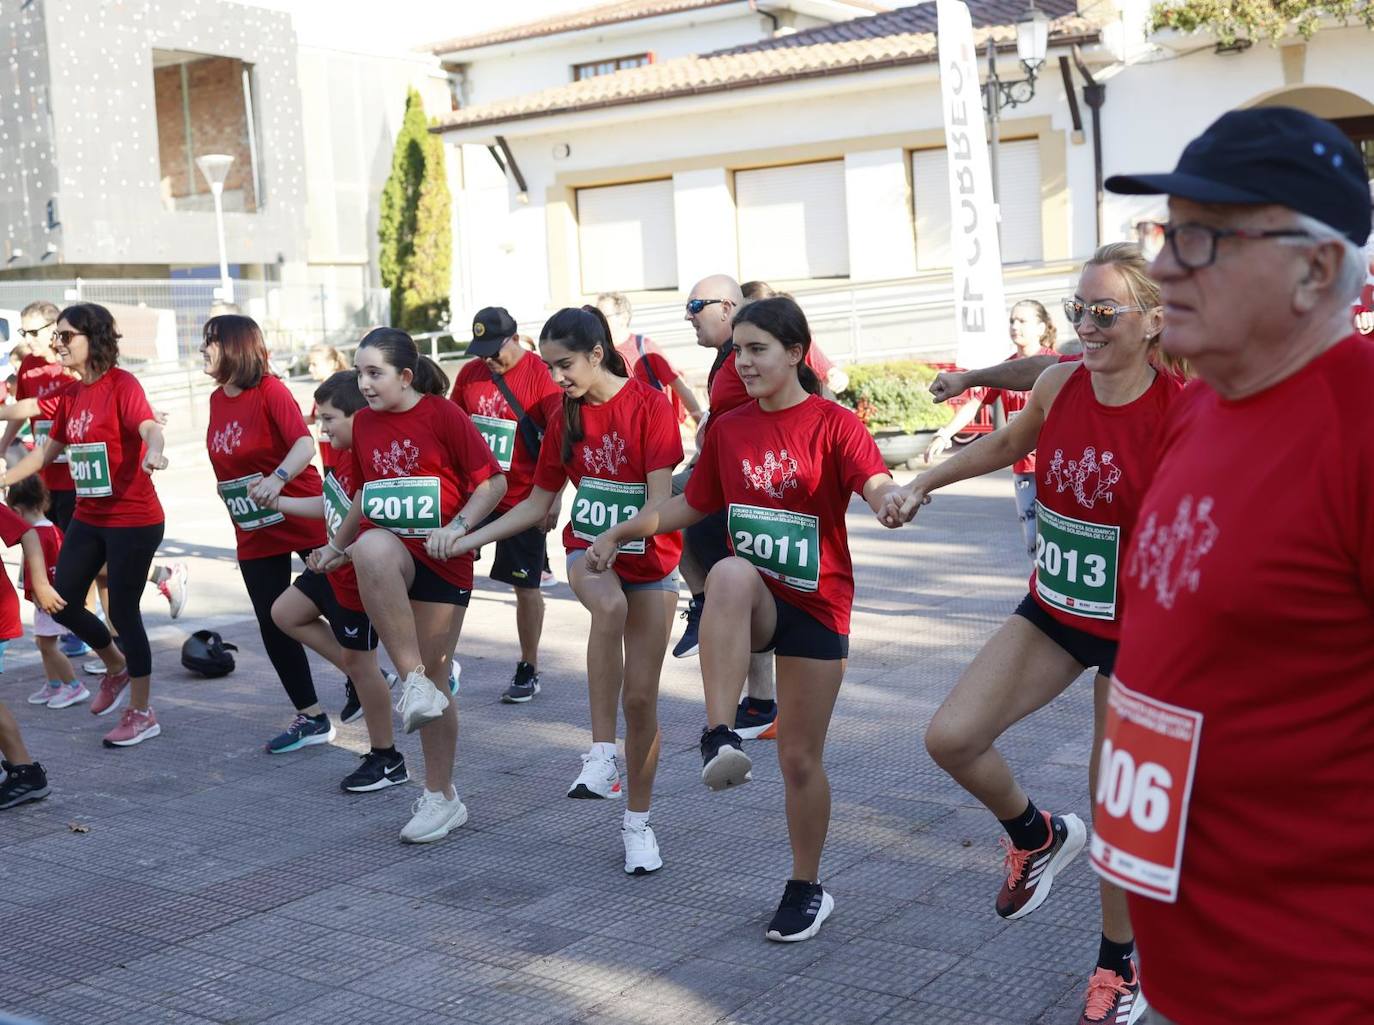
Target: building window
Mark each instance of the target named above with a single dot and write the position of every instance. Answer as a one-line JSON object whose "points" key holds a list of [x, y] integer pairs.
{"points": [[204, 105], [793, 222], [609, 67], [627, 237], [1019, 184]]}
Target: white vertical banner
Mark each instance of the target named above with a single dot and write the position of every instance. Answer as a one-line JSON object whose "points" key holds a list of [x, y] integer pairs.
{"points": [[979, 304]]}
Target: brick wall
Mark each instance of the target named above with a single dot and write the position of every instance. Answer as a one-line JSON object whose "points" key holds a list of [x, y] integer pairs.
{"points": [[219, 124]]}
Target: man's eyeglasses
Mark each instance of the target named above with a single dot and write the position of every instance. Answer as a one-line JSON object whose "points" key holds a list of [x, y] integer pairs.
{"points": [[1103, 314], [65, 337], [695, 306], [1195, 245], [34, 332]]}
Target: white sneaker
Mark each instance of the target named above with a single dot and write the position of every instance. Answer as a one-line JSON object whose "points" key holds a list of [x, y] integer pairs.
{"points": [[599, 778], [69, 694], [641, 851], [421, 701], [434, 815], [44, 694]]}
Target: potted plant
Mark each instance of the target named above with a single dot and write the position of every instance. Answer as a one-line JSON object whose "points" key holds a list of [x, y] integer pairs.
{"points": [[893, 401]]}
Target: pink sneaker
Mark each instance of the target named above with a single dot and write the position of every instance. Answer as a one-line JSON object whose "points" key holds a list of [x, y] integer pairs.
{"points": [[69, 694], [43, 694], [113, 690], [134, 728]]}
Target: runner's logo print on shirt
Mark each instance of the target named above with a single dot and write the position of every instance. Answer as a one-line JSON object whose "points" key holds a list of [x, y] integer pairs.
{"points": [[1169, 555], [79, 425], [493, 406], [397, 461], [1088, 478], [774, 475], [606, 458], [227, 440]]}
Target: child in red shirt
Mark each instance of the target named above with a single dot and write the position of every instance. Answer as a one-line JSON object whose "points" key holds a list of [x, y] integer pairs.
{"points": [[61, 689]]}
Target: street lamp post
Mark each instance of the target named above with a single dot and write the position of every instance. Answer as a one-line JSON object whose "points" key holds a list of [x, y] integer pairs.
{"points": [[215, 167], [1032, 44]]}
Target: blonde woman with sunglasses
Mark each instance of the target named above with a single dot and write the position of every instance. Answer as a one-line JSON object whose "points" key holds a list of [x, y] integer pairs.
{"points": [[1095, 424]]}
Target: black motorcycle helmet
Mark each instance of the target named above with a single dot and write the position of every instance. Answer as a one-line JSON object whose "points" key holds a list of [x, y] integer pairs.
{"points": [[206, 652]]}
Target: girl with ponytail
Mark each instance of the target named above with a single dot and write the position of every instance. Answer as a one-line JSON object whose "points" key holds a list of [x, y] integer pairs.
{"points": [[617, 441], [423, 475]]}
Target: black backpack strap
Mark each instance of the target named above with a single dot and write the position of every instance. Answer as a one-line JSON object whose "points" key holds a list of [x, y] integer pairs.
{"points": [[654, 382], [529, 430]]}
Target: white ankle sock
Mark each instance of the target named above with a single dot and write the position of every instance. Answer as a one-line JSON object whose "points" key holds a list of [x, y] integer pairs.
{"points": [[635, 820], [606, 751]]}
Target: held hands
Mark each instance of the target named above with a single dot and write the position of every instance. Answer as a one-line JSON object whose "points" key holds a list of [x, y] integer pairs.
{"points": [[326, 558], [601, 555], [266, 491], [904, 503], [46, 598], [947, 385], [446, 542]]}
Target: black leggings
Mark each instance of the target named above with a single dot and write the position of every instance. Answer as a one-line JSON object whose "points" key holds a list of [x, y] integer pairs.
{"points": [[128, 551], [266, 579]]}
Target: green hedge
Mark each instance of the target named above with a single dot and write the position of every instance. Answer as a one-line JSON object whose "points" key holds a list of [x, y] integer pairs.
{"points": [[894, 396]]}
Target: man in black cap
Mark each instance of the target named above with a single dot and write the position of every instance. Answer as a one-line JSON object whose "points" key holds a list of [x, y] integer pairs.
{"points": [[505, 388], [1235, 779]]}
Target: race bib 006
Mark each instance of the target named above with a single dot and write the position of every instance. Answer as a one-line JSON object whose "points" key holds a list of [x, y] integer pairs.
{"points": [[1144, 781], [408, 506], [601, 504], [783, 544]]}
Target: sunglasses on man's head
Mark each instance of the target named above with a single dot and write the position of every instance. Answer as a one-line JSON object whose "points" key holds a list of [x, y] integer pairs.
{"points": [[34, 332], [1103, 314], [695, 306]]}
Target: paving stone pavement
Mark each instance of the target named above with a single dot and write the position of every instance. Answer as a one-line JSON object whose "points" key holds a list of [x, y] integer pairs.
{"points": [[196, 879]]}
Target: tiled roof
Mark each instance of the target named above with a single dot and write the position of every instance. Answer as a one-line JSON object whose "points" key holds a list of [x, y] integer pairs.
{"points": [[601, 14], [901, 37]]}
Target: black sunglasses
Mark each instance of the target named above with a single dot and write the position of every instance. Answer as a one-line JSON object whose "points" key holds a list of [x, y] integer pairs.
{"points": [[65, 337], [1103, 314], [34, 332], [695, 306]]}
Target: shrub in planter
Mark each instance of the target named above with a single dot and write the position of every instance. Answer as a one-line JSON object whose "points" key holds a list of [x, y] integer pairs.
{"points": [[894, 397]]}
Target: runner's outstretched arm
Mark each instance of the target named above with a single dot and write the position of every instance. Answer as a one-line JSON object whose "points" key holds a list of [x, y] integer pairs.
{"points": [[1013, 375], [674, 514], [519, 518]]}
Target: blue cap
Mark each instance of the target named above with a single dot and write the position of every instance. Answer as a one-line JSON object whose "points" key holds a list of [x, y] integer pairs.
{"points": [[1270, 155]]}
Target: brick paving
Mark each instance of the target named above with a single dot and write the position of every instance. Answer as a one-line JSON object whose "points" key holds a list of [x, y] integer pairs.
{"points": [[196, 879]]}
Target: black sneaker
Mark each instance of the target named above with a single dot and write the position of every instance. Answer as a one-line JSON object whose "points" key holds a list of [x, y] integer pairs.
{"points": [[523, 686], [805, 906], [687, 647], [353, 708], [754, 719], [22, 783], [723, 763], [377, 772]]}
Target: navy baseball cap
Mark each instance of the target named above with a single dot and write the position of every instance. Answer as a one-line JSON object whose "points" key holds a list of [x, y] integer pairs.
{"points": [[1269, 155], [490, 329]]}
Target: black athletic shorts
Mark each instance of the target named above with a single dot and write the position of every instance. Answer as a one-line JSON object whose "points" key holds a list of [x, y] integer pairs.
{"points": [[709, 539], [799, 634], [61, 508], [1088, 650], [352, 629], [430, 586], [520, 559]]}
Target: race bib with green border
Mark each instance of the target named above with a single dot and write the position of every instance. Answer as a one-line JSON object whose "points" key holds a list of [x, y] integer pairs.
{"points": [[42, 430], [600, 504], [246, 514], [783, 544], [408, 506], [1075, 564], [336, 505], [499, 436], [90, 463]]}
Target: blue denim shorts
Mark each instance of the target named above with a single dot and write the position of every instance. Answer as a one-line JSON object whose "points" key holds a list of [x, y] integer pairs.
{"points": [[669, 583]]}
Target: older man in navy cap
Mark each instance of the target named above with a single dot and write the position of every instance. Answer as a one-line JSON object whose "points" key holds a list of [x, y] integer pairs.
{"points": [[1235, 788]]}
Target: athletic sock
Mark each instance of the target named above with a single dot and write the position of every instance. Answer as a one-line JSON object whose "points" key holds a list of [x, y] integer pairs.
{"points": [[322, 717], [604, 750], [385, 752], [1116, 957], [1029, 831], [635, 820], [699, 599], [761, 705]]}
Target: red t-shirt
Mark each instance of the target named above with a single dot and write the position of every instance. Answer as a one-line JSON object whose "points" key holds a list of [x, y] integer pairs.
{"points": [[434, 440], [46, 383], [12, 528], [653, 369], [477, 395], [807, 461], [624, 440], [250, 434], [99, 425], [1012, 403], [726, 390], [50, 537], [339, 488], [1098, 461], [1251, 588]]}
